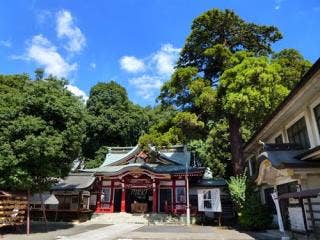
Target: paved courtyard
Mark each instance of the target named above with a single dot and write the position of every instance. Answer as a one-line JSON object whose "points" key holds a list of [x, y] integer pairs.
{"points": [[89, 230]]}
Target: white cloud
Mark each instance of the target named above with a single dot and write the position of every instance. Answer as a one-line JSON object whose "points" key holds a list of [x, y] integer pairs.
{"points": [[5, 43], [67, 29], [78, 92], [146, 85], [278, 4], [93, 65], [157, 68], [166, 58], [132, 64], [44, 53]]}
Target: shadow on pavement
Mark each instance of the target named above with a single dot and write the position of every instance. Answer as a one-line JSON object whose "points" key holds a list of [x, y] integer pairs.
{"points": [[35, 227]]}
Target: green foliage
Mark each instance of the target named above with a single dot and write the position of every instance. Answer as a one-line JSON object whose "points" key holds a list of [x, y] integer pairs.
{"points": [[104, 96], [214, 151], [293, 66], [238, 190], [252, 89], [252, 214], [225, 73], [175, 130], [215, 31], [219, 40], [41, 130], [99, 158], [255, 215], [112, 120]]}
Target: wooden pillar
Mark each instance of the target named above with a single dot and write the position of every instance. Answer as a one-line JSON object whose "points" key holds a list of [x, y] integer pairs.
{"points": [[123, 197], [111, 196], [311, 215], [304, 215], [79, 200], [28, 212], [173, 196], [154, 196], [99, 190]]}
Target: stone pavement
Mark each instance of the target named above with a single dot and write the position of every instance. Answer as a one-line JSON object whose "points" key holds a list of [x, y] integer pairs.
{"points": [[93, 230], [184, 233], [105, 233]]}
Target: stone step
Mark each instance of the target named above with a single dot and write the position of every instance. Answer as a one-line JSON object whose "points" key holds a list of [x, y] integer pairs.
{"points": [[157, 219]]}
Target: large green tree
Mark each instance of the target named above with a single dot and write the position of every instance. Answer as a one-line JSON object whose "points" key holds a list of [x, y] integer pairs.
{"points": [[224, 72], [41, 130], [113, 120]]}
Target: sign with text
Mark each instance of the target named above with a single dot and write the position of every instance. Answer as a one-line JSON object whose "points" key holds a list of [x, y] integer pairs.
{"points": [[209, 200]]}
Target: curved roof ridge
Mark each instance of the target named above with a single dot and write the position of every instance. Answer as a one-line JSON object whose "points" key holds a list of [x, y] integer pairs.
{"points": [[113, 157]]}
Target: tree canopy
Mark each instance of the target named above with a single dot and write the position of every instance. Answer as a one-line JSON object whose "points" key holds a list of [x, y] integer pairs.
{"points": [[216, 28], [226, 81], [229, 78], [112, 120], [41, 130]]}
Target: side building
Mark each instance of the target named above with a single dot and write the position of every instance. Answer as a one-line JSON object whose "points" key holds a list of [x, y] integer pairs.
{"points": [[284, 155]]}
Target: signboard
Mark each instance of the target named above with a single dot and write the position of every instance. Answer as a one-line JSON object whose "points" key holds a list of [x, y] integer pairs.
{"points": [[138, 183], [296, 219], [209, 200]]}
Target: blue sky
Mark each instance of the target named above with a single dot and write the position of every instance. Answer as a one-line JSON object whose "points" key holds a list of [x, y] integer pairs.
{"points": [[134, 42]]}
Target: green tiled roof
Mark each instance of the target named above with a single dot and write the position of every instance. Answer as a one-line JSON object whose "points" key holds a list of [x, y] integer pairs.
{"points": [[122, 153], [157, 168], [175, 154]]}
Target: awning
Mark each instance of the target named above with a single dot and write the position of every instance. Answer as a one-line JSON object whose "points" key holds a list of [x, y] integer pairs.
{"points": [[310, 193], [48, 199]]}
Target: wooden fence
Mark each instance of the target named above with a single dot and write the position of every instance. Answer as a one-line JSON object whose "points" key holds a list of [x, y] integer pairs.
{"points": [[13, 209]]}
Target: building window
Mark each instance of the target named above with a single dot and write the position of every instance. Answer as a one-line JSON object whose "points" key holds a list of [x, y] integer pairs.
{"points": [[85, 202], [279, 139], [317, 116], [180, 194], [298, 133], [105, 195]]}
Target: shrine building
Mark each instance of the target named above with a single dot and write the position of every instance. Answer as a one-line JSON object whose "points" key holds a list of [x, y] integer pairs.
{"points": [[130, 180], [133, 181]]}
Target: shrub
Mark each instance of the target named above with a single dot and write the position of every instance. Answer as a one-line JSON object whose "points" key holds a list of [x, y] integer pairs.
{"points": [[238, 187], [254, 215]]}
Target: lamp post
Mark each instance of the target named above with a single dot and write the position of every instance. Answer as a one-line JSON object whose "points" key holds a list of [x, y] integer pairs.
{"points": [[187, 185]]}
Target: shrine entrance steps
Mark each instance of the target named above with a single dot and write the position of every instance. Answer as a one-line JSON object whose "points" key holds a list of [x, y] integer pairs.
{"points": [[147, 219]]}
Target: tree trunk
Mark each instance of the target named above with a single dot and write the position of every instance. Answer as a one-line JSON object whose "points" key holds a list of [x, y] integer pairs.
{"points": [[44, 211], [236, 143]]}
